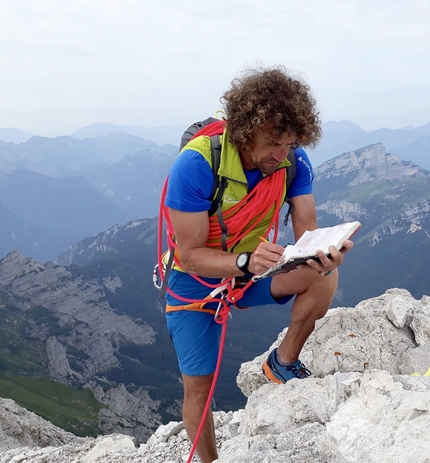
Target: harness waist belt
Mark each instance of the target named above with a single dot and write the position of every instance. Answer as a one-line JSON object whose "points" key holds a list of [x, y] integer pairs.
{"points": [[196, 306]]}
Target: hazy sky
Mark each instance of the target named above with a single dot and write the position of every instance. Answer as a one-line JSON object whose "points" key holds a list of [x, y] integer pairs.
{"points": [[65, 64]]}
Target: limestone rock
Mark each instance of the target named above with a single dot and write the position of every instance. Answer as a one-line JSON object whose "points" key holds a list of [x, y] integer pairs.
{"points": [[58, 365], [386, 420], [415, 360], [19, 428], [134, 414], [356, 339], [372, 414]]}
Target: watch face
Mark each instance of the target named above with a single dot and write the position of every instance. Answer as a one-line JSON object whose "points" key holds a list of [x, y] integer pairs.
{"points": [[242, 259]]}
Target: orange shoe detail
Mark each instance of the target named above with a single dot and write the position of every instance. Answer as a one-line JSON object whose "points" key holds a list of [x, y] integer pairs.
{"points": [[267, 372]]}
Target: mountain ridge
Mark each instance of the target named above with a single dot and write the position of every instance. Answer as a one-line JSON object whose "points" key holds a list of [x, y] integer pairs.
{"points": [[410, 143]]}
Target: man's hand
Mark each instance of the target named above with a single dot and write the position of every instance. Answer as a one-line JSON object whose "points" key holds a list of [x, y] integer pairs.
{"points": [[264, 257], [326, 264]]}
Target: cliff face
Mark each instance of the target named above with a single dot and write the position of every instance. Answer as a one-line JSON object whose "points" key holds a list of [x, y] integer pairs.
{"points": [[368, 164], [369, 184], [78, 336], [80, 307], [368, 400]]}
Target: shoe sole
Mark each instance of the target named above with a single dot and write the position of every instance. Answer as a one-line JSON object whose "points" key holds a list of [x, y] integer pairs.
{"points": [[268, 373]]}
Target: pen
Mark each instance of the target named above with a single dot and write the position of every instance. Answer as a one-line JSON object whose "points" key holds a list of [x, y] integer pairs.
{"points": [[263, 240]]}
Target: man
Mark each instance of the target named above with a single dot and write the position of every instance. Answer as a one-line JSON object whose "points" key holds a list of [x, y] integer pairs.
{"points": [[268, 113]]}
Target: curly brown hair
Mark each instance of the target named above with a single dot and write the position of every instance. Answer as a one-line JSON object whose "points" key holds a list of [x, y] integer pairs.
{"points": [[270, 101]]}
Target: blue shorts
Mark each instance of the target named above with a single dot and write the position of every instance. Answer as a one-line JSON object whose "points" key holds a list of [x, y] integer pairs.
{"points": [[196, 335]]}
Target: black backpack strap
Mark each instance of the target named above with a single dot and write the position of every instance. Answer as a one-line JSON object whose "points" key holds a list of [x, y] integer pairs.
{"points": [[291, 169], [220, 184], [291, 174]]}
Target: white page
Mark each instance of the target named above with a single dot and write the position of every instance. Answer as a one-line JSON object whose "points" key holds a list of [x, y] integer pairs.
{"points": [[322, 238], [292, 251]]}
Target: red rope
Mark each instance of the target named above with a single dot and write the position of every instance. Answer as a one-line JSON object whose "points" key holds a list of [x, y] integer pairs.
{"points": [[223, 321], [257, 201], [256, 204]]}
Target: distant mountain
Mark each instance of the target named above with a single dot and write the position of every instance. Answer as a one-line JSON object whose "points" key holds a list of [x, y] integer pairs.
{"points": [[159, 134], [134, 183], [122, 241], [14, 135], [409, 143], [56, 212], [37, 241], [391, 198], [417, 151], [56, 156], [70, 203]]}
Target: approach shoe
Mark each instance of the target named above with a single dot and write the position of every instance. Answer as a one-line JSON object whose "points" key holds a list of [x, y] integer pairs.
{"points": [[280, 374]]}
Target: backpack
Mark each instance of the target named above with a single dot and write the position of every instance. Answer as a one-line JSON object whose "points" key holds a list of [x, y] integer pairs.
{"points": [[214, 128]]}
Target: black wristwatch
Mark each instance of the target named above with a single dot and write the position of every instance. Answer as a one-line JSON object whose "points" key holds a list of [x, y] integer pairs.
{"points": [[242, 261]]}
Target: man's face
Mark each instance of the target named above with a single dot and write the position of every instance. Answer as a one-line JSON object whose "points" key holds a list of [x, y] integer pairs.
{"points": [[268, 153]]}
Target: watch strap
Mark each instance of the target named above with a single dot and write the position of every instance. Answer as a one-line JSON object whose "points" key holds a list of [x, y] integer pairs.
{"points": [[244, 268]]}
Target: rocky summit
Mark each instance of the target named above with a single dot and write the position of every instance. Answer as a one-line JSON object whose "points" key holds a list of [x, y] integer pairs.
{"points": [[367, 401]]}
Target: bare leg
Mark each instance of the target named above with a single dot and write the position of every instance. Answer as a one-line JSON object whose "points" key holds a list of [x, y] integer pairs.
{"points": [[196, 390], [314, 296]]}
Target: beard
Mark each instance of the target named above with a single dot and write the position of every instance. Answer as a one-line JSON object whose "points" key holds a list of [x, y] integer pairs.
{"points": [[266, 166]]}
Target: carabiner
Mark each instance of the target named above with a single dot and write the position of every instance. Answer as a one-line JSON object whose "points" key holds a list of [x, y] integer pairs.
{"points": [[156, 277]]}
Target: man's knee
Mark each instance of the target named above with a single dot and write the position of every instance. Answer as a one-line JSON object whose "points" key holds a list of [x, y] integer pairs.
{"points": [[196, 388], [303, 281]]}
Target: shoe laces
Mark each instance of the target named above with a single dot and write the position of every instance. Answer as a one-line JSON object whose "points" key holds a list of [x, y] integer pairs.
{"points": [[299, 370]]}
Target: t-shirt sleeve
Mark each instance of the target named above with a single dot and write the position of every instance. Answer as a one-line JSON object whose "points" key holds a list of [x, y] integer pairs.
{"points": [[190, 183], [302, 183]]}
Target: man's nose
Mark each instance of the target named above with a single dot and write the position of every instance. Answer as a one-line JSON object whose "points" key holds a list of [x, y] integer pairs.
{"points": [[281, 154]]}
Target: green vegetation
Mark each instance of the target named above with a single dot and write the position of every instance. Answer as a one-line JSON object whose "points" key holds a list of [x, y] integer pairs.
{"points": [[365, 192], [20, 352], [71, 409], [409, 191]]}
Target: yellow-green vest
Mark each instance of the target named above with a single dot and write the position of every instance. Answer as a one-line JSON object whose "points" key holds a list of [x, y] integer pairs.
{"points": [[237, 186]]}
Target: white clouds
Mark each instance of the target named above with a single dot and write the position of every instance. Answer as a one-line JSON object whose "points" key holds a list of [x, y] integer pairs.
{"points": [[71, 63]]}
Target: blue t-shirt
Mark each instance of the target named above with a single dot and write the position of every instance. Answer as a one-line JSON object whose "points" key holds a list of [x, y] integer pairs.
{"points": [[189, 189], [191, 181]]}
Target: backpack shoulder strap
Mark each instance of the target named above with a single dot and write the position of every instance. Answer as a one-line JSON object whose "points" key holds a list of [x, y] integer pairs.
{"points": [[220, 183], [291, 169], [291, 174], [212, 128]]}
